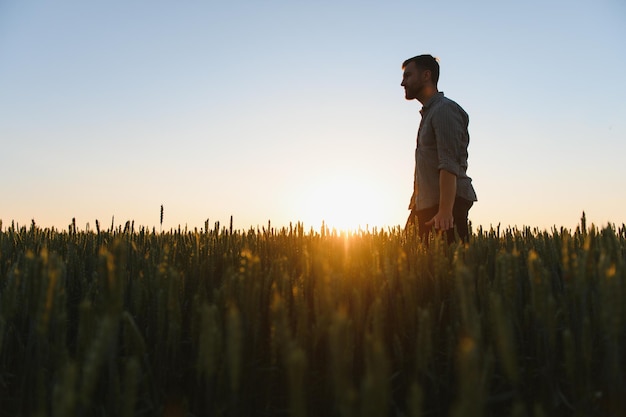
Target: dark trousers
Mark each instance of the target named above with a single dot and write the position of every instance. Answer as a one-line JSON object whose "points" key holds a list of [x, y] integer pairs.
{"points": [[460, 211]]}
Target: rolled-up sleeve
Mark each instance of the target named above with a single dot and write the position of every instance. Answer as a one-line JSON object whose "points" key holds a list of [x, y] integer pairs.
{"points": [[450, 126]]}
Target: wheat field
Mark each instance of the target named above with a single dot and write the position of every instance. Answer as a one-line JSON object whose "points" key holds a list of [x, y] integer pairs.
{"points": [[293, 322]]}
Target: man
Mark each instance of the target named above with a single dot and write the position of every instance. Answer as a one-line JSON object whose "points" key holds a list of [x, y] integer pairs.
{"points": [[442, 191]]}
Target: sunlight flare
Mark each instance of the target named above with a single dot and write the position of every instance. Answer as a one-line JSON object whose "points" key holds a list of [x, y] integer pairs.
{"points": [[342, 202]]}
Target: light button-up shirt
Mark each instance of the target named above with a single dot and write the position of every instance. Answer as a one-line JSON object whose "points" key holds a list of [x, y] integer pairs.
{"points": [[442, 142]]}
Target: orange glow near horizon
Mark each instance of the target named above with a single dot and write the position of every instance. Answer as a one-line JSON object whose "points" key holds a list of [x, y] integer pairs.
{"points": [[342, 203]]}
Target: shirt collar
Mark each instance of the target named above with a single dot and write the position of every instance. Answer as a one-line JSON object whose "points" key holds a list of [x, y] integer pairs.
{"points": [[435, 98]]}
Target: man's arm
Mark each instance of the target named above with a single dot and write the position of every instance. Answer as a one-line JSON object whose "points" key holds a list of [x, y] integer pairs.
{"points": [[444, 220]]}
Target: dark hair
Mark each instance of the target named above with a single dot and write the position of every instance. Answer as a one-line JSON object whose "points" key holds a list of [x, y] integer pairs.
{"points": [[425, 62]]}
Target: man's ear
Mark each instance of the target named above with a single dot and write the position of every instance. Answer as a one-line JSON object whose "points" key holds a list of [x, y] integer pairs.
{"points": [[427, 75]]}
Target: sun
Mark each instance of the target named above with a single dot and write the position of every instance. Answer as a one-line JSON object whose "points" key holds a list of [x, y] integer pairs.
{"points": [[341, 202]]}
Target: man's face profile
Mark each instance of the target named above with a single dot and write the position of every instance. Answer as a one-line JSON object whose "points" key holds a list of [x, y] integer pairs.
{"points": [[412, 81]]}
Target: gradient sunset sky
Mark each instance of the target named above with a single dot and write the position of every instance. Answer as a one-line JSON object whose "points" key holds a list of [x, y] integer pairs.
{"points": [[292, 111]]}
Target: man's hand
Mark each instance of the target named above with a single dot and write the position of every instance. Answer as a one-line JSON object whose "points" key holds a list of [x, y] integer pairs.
{"points": [[442, 221]]}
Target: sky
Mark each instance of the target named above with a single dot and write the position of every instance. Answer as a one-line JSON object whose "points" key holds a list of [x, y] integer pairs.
{"points": [[292, 111]]}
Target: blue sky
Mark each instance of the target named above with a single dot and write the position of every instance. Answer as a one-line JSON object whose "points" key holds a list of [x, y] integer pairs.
{"points": [[292, 111]]}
